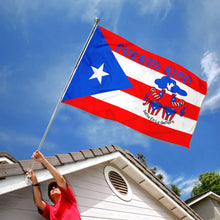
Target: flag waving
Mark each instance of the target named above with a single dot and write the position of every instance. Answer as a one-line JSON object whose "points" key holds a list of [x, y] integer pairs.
{"points": [[118, 80]]}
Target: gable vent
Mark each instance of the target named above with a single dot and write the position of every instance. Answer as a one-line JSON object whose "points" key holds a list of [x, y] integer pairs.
{"points": [[117, 183]]}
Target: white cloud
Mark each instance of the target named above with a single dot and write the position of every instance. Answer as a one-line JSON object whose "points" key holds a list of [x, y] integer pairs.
{"points": [[204, 29], [55, 79], [203, 35], [13, 138], [178, 180], [212, 102], [106, 10], [23, 12], [17, 10], [186, 186], [100, 131], [183, 183], [155, 7], [211, 69], [166, 176]]}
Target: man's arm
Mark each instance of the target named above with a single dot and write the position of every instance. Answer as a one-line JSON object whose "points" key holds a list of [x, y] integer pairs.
{"points": [[39, 157], [36, 191]]}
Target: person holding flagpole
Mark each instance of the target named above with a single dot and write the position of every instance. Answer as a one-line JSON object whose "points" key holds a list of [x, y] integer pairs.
{"points": [[59, 192]]}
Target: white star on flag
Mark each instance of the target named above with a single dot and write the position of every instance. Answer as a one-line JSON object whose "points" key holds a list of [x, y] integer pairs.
{"points": [[98, 73]]}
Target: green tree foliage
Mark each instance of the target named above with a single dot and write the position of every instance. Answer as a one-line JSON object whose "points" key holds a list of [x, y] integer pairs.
{"points": [[175, 189], [142, 159], [207, 181], [160, 176], [154, 171]]}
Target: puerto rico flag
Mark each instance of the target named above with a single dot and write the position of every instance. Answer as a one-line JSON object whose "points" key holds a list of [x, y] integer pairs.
{"points": [[118, 80]]}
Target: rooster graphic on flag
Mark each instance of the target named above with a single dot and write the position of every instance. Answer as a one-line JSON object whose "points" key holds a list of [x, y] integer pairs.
{"points": [[120, 81]]}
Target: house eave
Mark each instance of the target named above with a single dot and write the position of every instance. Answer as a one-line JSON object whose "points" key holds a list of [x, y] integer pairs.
{"points": [[15, 182]]}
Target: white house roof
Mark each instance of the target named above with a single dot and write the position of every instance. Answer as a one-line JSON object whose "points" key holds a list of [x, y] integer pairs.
{"points": [[202, 196], [12, 175]]}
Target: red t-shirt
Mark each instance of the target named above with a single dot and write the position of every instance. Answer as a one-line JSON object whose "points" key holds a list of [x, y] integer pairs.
{"points": [[65, 209]]}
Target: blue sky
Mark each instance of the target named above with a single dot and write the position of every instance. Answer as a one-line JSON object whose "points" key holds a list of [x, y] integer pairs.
{"points": [[40, 44]]}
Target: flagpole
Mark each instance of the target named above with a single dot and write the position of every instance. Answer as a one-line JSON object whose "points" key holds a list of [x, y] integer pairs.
{"points": [[67, 85]]}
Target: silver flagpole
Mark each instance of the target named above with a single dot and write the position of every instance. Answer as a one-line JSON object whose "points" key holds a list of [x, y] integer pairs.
{"points": [[67, 85]]}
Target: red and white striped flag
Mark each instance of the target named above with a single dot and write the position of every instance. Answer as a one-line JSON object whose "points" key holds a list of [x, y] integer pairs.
{"points": [[120, 81]]}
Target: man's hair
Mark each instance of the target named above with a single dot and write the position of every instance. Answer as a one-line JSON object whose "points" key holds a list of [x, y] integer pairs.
{"points": [[50, 187]]}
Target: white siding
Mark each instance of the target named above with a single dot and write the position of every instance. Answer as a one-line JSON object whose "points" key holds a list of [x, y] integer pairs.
{"points": [[206, 209], [97, 201], [18, 205], [94, 197]]}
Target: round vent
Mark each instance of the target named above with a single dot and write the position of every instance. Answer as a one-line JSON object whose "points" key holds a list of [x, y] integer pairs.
{"points": [[117, 183]]}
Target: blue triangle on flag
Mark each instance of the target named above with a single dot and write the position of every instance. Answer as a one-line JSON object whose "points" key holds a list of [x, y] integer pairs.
{"points": [[98, 71], [169, 111], [155, 105]]}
